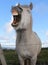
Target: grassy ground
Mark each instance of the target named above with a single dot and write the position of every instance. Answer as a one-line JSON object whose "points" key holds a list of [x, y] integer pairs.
{"points": [[12, 58], [43, 56]]}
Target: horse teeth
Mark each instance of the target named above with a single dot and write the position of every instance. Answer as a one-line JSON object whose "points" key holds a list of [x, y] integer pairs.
{"points": [[15, 13]]}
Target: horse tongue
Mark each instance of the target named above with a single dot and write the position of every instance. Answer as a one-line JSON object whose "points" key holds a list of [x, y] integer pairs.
{"points": [[14, 22]]}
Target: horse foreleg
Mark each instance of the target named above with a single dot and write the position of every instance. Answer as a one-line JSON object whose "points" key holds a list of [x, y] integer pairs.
{"points": [[21, 60], [33, 61]]}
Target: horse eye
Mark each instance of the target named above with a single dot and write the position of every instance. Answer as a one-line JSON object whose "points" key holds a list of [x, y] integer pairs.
{"points": [[20, 8], [28, 11]]}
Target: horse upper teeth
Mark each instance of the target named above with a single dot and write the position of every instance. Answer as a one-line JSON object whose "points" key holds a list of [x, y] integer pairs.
{"points": [[15, 13]]}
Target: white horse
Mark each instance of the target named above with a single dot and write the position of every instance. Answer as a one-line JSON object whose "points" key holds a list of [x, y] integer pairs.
{"points": [[28, 44]]}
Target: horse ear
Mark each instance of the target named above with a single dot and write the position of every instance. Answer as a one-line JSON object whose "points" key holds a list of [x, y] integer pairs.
{"points": [[18, 4], [31, 6]]}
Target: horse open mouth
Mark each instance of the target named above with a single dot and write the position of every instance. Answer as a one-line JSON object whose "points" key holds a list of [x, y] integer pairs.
{"points": [[16, 20], [16, 12]]}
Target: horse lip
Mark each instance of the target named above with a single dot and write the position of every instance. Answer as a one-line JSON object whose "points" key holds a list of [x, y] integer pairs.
{"points": [[14, 25]]}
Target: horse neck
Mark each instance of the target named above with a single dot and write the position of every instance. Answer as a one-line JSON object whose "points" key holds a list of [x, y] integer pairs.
{"points": [[24, 34]]}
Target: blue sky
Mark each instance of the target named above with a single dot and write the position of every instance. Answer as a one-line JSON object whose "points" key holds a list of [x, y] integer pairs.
{"points": [[39, 15]]}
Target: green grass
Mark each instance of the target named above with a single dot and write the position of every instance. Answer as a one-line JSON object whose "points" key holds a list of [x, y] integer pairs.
{"points": [[12, 58], [43, 56]]}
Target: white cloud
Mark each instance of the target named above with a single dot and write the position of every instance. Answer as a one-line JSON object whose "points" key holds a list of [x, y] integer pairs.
{"points": [[46, 36], [47, 33], [44, 45], [3, 38], [8, 26], [45, 41], [14, 37], [7, 42]]}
